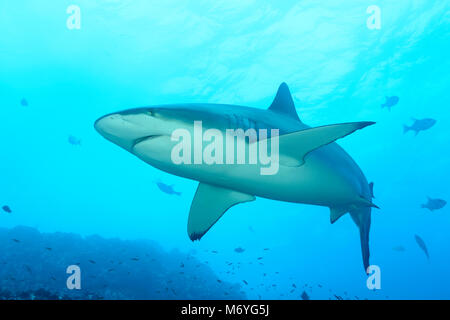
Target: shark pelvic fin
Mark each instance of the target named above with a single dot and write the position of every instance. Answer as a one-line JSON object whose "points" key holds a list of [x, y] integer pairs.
{"points": [[296, 145], [283, 102], [209, 204], [336, 213]]}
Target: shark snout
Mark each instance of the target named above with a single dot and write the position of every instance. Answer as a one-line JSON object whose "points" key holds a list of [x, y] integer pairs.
{"points": [[115, 128], [128, 127]]}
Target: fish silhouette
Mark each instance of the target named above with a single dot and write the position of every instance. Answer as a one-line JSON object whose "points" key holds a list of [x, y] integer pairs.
{"points": [[422, 245]]}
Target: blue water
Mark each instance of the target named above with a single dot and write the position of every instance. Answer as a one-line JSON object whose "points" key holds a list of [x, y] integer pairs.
{"points": [[136, 53]]}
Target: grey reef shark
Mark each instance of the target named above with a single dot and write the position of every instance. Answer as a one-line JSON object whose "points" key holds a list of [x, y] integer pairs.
{"points": [[311, 168]]}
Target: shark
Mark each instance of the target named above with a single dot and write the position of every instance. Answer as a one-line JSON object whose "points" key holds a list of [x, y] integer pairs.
{"points": [[313, 168]]}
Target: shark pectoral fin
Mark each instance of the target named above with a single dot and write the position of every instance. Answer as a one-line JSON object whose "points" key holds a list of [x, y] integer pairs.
{"points": [[209, 204], [336, 213], [298, 144]]}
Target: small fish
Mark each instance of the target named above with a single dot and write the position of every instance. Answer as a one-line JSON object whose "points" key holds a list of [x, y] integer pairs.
{"points": [[305, 296], [245, 282], [7, 209], [259, 258], [239, 250], [266, 249], [135, 259], [167, 188], [422, 245], [399, 248], [49, 249], [214, 251], [110, 270], [219, 281], [390, 102], [338, 297], [24, 102], [294, 285], [74, 141], [92, 261], [15, 240], [182, 265], [434, 204], [419, 125]]}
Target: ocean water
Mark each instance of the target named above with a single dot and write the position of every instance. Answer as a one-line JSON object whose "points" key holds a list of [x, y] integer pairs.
{"points": [[75, 197]]}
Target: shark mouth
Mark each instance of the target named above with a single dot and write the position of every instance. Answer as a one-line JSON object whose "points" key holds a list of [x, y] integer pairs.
{"points": [[145, 138]]}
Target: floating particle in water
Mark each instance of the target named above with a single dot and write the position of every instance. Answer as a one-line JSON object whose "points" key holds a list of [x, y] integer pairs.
{"points": [[24, 102]]}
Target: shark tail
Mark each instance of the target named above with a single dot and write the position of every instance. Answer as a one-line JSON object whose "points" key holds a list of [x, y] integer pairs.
{"points": [[362, 218]]}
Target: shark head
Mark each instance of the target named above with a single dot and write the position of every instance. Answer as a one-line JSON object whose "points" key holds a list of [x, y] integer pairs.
{"points": [[130, 127]]}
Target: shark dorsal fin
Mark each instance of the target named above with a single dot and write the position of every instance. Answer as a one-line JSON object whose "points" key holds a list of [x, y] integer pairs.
{"points": [[283, 102]]}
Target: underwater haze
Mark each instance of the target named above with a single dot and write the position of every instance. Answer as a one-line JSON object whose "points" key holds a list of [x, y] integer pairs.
{"points": [[69, 197]]}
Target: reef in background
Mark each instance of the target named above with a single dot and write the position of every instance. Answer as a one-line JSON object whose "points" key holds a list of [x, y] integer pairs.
{"points": [[33, 266]]}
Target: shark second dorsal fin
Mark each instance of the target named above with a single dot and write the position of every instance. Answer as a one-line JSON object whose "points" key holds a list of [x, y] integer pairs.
{"points": [[283, 102], [209, 204]]}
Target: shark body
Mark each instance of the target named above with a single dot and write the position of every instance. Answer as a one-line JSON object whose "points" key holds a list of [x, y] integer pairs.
{"points": [[313, 169]]}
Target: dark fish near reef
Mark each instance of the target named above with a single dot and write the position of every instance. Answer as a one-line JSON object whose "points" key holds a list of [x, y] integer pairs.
{"points": [[422, 245], [7, 209], [305, 296], [74, 141], [390, 102], [434, 204], [167, 188], [239, 250], [419, 125]]}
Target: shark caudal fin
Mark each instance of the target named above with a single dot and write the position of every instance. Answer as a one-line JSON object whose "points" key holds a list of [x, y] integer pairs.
{"points": [[362, 219]]}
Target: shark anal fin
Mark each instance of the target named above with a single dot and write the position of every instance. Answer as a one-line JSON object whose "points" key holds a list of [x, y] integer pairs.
{"points": [[336, 213], [209, 204], [296, 145], [283, 102]]}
